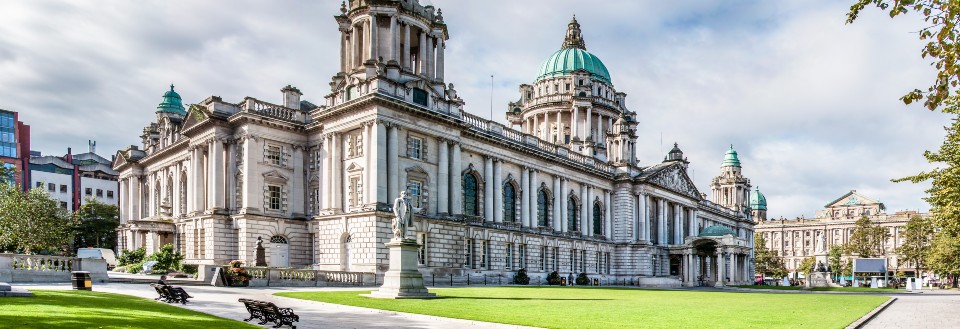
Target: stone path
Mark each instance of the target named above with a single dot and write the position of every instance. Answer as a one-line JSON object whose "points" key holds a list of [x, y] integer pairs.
{"points": [[933, 309], [223, 302]]}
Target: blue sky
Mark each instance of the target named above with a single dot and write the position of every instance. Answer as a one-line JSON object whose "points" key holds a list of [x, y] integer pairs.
{"points": [[810, 103]]}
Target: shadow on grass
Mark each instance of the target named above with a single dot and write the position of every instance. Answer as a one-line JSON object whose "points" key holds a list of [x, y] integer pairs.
{"points": [[517, 298]]}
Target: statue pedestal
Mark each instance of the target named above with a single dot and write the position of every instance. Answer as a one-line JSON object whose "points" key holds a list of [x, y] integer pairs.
{"points": [[402, 280], [820, 280]]}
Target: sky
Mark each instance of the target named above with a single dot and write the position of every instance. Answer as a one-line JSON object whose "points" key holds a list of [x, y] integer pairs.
{"points": [[809, 102]]}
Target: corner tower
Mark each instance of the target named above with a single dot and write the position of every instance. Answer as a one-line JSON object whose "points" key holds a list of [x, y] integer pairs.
{"points": [[731, 189], [572, 102]]}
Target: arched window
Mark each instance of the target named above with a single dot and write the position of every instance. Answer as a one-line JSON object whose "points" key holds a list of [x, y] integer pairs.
{"points": [[573, 214], [543, 208], [509, 203], [597, 219], [470, 196]]}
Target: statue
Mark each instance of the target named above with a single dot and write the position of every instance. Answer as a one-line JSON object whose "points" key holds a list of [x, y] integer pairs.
{"points": [[403, 216], [261, 257], [820, 267], [821, 243]]}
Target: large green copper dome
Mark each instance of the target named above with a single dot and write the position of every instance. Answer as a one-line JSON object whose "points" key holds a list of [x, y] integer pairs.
{"points": [[757, 200], [572, 56], [731, 159], [172, 103], [567, 60]]}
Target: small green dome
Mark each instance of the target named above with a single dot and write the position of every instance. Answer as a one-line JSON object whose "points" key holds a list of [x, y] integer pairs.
{"points": [[731, 159], [717, 230], [757, 200], [172, 103], [567, 60]]}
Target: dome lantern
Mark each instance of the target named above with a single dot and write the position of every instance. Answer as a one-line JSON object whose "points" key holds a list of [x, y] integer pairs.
{"points": [[172, 103], [573, 56], [731, 159]]}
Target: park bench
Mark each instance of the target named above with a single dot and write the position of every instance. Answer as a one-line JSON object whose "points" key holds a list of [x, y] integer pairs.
{"points": [[267, 312], [170, 294]]}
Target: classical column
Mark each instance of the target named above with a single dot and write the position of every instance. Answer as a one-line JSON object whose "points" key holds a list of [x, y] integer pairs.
{"points": [[559, 129], [694, 225], [421, 60], [721, 264], [607, 216], [326, 175], [677, 227], [336, 184], [431, 52], [576, 124], [526, 192], [443, 179], [379, 141], [589, 210], [497, 191], [354, 51], [556, 223], [536, 126], [344, 52], [562, 200], [661, 222], [600, 132], [393, 38], [406, 47], [374, 38], [645, 218], [369, 151], [216, 173], [584, 214], [299, 191], [589, 125], [134, 195], [440, 49], [393, 162], [456, 180], [533, 205], [488, 189]]}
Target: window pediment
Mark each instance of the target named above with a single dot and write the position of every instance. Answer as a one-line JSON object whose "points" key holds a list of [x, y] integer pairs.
{"points": [[274, 177]]}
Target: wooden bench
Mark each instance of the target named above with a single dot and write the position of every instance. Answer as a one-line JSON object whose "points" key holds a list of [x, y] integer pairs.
{"points": [[170, 294], [268, 312]]}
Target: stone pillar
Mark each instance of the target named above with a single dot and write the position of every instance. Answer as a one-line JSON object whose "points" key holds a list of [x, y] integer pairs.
{"points": [[380, 140], [299, 191], [587, 223], [497, 191], [374, 38], [583, 209], [431, 52], [559, 129], [440, 49], [645, 215], [393, 38], [422, 60], [607, 216], [576, 124], [661, 222], [344, 52], [336, 182], [134, 196], [488, 189], [589, 125], [456, 194], [370, 182], [354, 47], [562, 200], [534, 200], [694, 223], [406, 47], [677, 225], [393, 161], [526, 192], [327, 173], [443, 179], [217, 174], [536, 126], [720, 268]]}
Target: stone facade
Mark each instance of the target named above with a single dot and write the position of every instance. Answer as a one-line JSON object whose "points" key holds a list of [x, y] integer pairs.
{"points": [[796, 239], [565, 192]]}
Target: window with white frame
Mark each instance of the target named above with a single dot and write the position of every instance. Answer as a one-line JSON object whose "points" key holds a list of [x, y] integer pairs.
{"points": [[422, 250], [583, 260], [356, 191], [484, 252], [354, 144], [521, 256], [556, 256], [273, 154], [415, 193], [598, 262], [274, 197], [468, 253], [415, 148], [508, 259], [543, 258]]}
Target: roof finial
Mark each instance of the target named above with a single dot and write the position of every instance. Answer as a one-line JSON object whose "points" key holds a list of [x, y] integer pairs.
{"points": [[573, 39], [171, 86], [343, 7]]}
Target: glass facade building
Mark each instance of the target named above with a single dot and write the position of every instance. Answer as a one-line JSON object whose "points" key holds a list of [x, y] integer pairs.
{"points": [[8, 136]]}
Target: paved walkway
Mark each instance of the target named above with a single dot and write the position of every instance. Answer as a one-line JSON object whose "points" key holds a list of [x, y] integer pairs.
{"points": [[223, 302], [932, 309]]}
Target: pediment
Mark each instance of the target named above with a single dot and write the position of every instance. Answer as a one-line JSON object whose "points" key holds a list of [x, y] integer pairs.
{"points": [[852, 199], [354, 167], [416, 170], [675, 178], [194, 117], [275, 176], [119, 160]]}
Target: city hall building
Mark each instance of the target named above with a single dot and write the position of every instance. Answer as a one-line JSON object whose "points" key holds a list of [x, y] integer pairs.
{"points": [[560, 188]]}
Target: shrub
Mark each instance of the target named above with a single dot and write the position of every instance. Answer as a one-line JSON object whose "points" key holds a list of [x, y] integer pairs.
{"points": [[190, 268], [128, 257], [553, 278], [167, 259], [521, 277], [582, 279], [120, 269], [135, 268]]}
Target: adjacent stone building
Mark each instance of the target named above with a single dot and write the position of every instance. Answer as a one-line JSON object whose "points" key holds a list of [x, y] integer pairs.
{"points": [[564, 191], [795, 239]]}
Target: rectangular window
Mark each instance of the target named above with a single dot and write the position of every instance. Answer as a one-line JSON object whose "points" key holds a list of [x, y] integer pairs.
{"points": [[51, 187], [573, 260], [419, 96], [63, 205], [484, 252], [543, 258], [415, 191], [583, 260], [415, 148], [99, 193], [88, 191], [522, 256], [63, 189], [556, 256], [508, 259], [468, 254], [273, 155], [110, 194], [273, 197], [606, 257], [598, 262], [356, 191], [422, 250], [39, 184]]}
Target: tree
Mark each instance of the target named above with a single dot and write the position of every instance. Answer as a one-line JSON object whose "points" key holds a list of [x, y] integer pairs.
{"points": [[32, 221], [806, 266], [96, 225], [835, 259], [867, 239], [766, 261], [943, 49], [916, 237]]}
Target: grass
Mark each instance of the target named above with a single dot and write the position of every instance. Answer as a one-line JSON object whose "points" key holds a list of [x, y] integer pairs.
{"points": [[87, 309], [848, 289], [555, 307]]}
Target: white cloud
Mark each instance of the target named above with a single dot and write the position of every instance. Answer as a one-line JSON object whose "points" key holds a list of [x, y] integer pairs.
{"points": [[809, 102]]}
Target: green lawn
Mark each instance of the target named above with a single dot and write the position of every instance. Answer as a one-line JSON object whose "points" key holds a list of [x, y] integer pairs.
{"points": [[86, 309], [556, 307], [848, 289], [770, 287]]}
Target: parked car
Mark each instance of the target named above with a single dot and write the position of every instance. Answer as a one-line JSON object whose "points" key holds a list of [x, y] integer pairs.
{"points": [[99, 253]]}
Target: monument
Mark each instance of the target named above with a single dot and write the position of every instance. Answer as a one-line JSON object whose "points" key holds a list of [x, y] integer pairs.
{"points": [[820, 275], [403, 279], [260, 256]]}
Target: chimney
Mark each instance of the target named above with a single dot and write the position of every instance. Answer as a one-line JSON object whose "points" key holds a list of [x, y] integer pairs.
{"points": [[92, 145], [291, 97], [69, 156]]}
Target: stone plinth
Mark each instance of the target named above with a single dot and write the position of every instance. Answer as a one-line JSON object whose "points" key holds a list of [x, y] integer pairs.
{"points": [[820, 280], [402, 280], [8, 291]]}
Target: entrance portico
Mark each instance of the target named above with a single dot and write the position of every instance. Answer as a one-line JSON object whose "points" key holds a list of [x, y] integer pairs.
{"points": [[717, 257]]}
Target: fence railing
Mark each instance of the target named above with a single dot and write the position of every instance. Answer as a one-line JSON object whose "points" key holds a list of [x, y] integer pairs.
{"points": [[40, 268], [451, 280], [42, 263], [279, 277]]}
